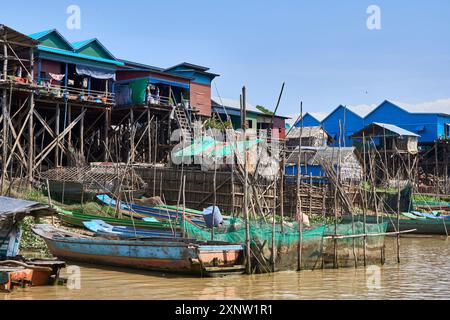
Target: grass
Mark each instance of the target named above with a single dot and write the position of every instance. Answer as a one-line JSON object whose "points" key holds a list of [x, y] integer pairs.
{"points": [[368, 187], [419, 197], [31, 242]]}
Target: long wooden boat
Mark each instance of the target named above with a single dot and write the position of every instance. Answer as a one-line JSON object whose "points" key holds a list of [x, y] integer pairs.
{"points": [[176, 255], [77, 219], [422, 226], [158, 212], [100, 227]]}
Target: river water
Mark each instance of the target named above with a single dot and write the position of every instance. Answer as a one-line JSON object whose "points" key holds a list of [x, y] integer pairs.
{"points": [[424, 273]]}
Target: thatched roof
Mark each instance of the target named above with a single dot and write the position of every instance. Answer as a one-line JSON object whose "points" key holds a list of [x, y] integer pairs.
{"points": [[307, 132]]}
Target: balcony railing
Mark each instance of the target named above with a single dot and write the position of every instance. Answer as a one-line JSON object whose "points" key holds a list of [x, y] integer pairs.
{"points": [[77, 94]]}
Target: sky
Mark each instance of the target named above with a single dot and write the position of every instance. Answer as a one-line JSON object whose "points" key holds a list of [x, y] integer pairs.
{"points": [[322, 49]]}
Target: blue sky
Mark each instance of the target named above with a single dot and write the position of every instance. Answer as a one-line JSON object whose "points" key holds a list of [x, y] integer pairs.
{"points": [[322, 49]]}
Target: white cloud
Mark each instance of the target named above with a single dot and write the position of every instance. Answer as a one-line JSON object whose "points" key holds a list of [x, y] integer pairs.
{"points": [[437, 106]]}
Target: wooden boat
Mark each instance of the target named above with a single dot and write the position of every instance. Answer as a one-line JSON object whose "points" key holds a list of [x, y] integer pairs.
{"points": [[422, 226], [174, 255], [102, 228], [25, 273], [76, 219], [158, 212]]}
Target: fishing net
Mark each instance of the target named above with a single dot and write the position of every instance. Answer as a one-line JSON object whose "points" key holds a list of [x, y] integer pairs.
{"points": [[318, 249], [286, 242], [260, 231], [348, 251]]}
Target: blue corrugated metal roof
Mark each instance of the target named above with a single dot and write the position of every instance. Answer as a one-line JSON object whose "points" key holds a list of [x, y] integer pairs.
{"points": [[395, 129], [41, 34], [80, 44], [78, 55]]}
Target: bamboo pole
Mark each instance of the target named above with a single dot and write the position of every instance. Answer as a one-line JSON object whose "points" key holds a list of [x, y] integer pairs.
{"points": [[155, 158], [31, 124], [365, 201], [82, 132], [274, 221], [149, 133], [184, 206], [246, 215], [215, 198], [57, 132], [398, 219], [283, 165], [299, 199]]}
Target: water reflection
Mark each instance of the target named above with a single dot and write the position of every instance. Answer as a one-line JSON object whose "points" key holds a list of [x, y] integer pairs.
{"points": [[424, 273]]}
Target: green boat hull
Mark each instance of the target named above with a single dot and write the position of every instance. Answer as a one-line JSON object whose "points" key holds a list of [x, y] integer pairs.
{"points": [[76, 219], [422, 226]]}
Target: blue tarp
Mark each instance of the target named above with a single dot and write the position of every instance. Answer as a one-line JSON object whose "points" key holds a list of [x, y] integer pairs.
{"points": [[96, 73]]}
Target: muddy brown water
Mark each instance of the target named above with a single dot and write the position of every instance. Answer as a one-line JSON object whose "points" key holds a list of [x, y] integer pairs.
{"points": [[424, 273]]}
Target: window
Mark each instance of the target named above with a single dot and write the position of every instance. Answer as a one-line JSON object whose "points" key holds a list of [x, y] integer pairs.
{"points": [[447, 130]]}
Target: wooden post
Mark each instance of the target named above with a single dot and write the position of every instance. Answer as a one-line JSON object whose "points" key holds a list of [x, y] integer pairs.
{"points": [[82, 132], [299, 198], [57, 132], [215, 198], [69, 121], [31, 124], [184, 206], [246, 215], [436, 168], [282, 173], [5, 59], [149, 133], [106, 134], [398, 219], [5, 115], [274, 222], [5, 138], [156, 154], [132, 135], [365, 201]]}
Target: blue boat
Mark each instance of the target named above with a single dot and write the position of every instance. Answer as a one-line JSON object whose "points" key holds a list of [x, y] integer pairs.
{"points": [[165, 255], [434, 216], [160, 213], [102, 228]]}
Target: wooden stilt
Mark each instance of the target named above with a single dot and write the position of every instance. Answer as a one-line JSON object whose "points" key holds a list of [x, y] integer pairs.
{"points": [[31, 125], [246, 214], [299, 198], [57, 132], [82, 133]]}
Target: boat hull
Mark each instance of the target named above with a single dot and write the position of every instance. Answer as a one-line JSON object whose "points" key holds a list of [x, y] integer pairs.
{"points": [[422, 226], [164, 256]]}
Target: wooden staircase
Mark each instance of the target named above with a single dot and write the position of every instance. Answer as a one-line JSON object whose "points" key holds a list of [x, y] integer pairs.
{"points": [[184, 124]]}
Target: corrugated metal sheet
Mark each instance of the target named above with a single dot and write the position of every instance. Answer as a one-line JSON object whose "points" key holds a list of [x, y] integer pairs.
{"points": [[13, 210], [395, 129]]}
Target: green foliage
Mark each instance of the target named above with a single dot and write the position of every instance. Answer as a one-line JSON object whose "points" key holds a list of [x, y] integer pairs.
{"points": [[30, 241], [368, 187], [264, 110], [215, 123]]}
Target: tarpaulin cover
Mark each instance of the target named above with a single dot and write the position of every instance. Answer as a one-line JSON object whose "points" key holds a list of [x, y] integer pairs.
{"points": [[96, 73], [139, 91], [209, 147]]}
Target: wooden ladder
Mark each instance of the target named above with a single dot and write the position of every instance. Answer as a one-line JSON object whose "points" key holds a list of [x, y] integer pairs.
{"points": [[183, 122]]}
